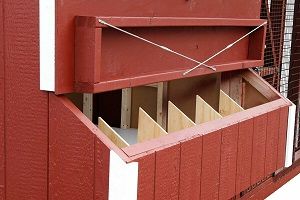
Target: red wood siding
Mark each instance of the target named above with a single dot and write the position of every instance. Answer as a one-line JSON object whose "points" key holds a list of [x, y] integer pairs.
{"points": [[26, 107], [190, 169], [2, 153], [259, 148], [244, 156], [228, 162], [146, 179], [210, 178], [218, 165], [72, 158], [167, 167]]}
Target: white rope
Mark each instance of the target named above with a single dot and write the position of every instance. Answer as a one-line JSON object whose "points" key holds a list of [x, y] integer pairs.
{"points": [[226, 48], [155, 44]]}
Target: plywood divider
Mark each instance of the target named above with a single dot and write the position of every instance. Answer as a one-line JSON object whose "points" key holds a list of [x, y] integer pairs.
{"points": [[147, 128], [111, 134], [204, 112], [177, 120], [227, 105]]}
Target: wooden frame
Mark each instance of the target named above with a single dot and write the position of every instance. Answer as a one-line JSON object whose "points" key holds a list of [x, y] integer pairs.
{"points": [[90, 73]]}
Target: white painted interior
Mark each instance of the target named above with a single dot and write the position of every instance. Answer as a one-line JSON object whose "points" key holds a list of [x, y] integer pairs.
{"points": [[290, 136], [123, 179], [47, 44]]}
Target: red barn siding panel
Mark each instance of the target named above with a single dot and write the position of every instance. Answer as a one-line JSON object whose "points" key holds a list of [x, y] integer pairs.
{"points": [[102, 154], [244, 158], [259, 148], [71, 153], [190, 169], [282, 137], [272, 142], [146, 178], [228, 162], [167, 173], [2, 153], [211, 155], [26, 107]]}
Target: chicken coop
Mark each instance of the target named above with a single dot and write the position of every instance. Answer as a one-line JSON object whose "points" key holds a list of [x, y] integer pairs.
{"points": [[144, 100]]}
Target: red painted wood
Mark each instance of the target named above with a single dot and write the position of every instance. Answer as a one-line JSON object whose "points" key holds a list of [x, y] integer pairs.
{"points": [[167, 169], [244, 157], [282, 137], [259, 149], [102, 154], [228, 165], [165, 21], [71, 153], [26, 107], [190, 169], [272, 142], [211, 157], [67, 10], [146, 179], [2, 111]]}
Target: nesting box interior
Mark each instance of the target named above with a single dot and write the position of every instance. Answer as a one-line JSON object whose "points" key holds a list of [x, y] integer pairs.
{"points": [[134, 115]]}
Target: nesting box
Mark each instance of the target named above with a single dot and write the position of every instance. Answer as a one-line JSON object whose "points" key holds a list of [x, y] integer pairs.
{"points": [[161, 133]]}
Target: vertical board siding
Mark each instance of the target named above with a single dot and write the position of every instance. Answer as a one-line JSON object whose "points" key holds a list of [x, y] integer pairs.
{"points": [[167, 173], [259, 148], [71, 153], [284, 112], [26, 107], [146, 179], [272, 142], [244, 157], [190, 169], [211, 154], [2, 153], [228, 162], [102, 154]]}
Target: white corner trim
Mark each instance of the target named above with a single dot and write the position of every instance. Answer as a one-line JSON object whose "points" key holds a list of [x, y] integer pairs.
{"points": [[290, 136], [123, 179], [47, 44]]}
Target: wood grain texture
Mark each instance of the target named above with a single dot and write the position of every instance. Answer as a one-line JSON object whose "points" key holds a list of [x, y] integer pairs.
{"points": [[148, 129], [272, 142], [204, 112], [259, 149], [282, 137], [227, 105], [71, 153], [244, 157], [177, 120], [2, 113], [167, 169], [102, 154], [211, 157], [111, 134], [26, 109], [190, 169], [229, 148], [146, 178]]}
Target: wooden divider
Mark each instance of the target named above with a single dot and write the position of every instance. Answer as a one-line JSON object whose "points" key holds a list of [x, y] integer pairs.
{"points": [[111, 134], [177, 120], [204, 112], [228, 106], [147, 128]]}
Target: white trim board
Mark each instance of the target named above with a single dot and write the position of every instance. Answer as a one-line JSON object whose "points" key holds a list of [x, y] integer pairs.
{"points": [[123, 179], [47, 44], [290, 136]]}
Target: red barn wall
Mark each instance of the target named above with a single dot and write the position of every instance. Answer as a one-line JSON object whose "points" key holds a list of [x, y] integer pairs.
{"points": [[26, 107]]}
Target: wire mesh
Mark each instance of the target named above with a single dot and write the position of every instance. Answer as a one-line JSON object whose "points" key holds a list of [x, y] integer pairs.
{"points": [[282, 52]]}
